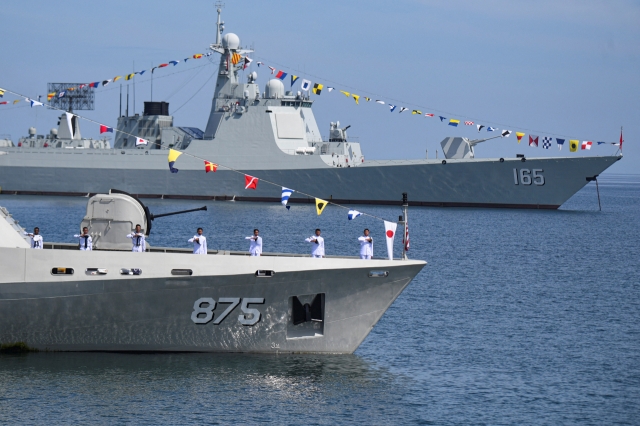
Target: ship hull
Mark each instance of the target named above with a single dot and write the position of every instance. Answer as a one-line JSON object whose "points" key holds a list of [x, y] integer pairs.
{"points": [[472, 182], [155, 310]]}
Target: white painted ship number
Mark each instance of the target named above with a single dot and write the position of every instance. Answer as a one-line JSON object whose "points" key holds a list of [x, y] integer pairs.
{"points": [[527, 177], [203, 310]]}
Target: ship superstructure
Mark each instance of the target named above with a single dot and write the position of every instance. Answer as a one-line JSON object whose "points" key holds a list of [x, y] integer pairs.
{"points": [[67, 135]]}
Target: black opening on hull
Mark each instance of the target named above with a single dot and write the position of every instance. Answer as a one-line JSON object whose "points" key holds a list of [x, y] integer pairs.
{"points": [[307, 312]]}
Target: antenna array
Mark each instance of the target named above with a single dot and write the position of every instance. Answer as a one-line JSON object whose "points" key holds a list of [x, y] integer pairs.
{"points": [[69, 96]]}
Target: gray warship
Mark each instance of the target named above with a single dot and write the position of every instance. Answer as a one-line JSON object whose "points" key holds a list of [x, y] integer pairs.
{"points": [[273, 135], [167, 299]]}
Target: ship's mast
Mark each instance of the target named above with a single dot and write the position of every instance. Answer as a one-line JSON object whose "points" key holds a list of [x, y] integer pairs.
{"points": [[226, 46], [228, 90], [219, 25]]}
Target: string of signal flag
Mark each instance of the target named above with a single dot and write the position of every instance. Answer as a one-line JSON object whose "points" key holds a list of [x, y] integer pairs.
{"points": [[317, 88], [534, 140]]}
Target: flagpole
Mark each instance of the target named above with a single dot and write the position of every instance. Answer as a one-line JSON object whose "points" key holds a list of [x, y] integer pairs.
{"points": [[134, 89], [619, 144], [405, 206], [598, 190]]}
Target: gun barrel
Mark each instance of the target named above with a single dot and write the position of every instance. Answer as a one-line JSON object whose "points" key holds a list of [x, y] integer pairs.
{"points": [[155, 216]]}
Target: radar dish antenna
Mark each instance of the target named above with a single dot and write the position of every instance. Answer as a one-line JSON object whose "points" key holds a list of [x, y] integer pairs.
{"points": [[69, 96]]}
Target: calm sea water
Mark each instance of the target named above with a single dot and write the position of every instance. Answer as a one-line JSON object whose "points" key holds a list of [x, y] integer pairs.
{"points": [[519, 317]]}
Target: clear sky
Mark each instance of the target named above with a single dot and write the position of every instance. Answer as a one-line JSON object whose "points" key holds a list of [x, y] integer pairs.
{"points": [[566, 68]]}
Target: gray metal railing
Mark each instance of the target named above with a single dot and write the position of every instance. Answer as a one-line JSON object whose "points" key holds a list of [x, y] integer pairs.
{"points": [[71, 246]]}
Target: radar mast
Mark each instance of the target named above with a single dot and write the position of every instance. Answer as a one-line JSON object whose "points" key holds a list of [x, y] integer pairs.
{"points": [[220, 25]]}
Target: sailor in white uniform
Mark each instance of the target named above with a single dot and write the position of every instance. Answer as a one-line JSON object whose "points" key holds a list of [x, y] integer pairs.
{"points": [[256, 243], [317, 249], [86, 243], [199, 243], [366, 245], [36, 239], [138, 240]]}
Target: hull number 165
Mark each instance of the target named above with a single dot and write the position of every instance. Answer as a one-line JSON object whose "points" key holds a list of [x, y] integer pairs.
{"points": [[527, 177]]}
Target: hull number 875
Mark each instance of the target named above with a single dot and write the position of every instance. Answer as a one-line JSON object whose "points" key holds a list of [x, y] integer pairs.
{"points": [[527, 177], [203, 310]]}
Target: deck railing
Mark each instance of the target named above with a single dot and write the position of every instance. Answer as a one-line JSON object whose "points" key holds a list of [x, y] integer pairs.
{"points": [[71, 246]]}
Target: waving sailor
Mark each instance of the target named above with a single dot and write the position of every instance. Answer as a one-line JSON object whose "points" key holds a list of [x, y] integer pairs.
{"points": [[256, 243], [366, 245], [138, 240], [36, 239], [86, 243], [317, 249], [199, 243]]}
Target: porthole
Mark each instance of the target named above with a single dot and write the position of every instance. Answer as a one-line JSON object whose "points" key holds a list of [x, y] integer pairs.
{"points": [[181, 272], [62, 271], [132, 271], [444, 161], [378, 274], [95, 271], [265, 273], [502, 160]]}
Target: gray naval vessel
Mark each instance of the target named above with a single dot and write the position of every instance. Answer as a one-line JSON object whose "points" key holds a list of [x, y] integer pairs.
{"points": [[167, 299], [272, 134]]}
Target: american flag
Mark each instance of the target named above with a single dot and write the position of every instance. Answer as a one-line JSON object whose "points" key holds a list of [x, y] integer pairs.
{"points": [[469, 123]]}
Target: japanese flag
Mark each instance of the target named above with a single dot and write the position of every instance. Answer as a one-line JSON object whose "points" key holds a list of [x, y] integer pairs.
{"points": [[390, 233], [140, 141]]}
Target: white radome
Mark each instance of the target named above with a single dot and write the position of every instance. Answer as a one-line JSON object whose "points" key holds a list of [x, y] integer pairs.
{"points": [[274, 89], [231, 41]]}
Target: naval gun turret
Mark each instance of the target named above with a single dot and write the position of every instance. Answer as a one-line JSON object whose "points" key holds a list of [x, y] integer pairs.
{"points": [[110, 217], [458, 147], [336, 134]]}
